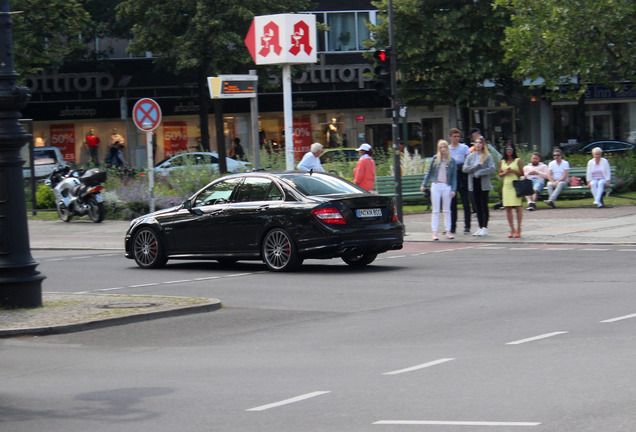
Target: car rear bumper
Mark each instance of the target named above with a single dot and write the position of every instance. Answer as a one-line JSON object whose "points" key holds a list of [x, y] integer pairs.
{"points": [[347, 244]]}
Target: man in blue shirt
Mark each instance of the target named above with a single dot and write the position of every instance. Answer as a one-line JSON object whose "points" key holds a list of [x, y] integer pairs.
{"points": [[459, 151]]}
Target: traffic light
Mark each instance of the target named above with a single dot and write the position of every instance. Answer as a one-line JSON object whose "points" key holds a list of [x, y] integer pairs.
{"points": [[382, 71]]}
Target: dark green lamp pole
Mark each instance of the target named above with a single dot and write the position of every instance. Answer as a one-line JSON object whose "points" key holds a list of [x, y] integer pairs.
{"points": [[20, 283]]}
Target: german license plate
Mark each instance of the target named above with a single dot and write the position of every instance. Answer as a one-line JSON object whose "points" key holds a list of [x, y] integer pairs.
{"points": [[99, 198], [368, 213]]}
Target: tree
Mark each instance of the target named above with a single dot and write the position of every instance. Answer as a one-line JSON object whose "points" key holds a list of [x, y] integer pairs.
{"points": [[446, 49], [46, 33], [565, 41], [204, 36]]}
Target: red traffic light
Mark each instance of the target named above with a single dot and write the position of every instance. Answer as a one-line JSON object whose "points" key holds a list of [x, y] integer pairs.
{"points": [[381, 56]]}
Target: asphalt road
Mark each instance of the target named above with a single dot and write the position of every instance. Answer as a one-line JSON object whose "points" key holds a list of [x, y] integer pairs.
{"points": [[437, 337]]}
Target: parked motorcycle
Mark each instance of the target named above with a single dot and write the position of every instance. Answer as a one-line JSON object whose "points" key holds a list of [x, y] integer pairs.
{"points": [[78, 192]]}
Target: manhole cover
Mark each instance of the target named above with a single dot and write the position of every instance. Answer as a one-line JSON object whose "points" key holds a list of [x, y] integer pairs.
{"points": [[128, 305]]}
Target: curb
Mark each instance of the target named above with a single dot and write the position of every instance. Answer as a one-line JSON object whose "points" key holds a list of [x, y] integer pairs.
{"points": [[214, 305]]}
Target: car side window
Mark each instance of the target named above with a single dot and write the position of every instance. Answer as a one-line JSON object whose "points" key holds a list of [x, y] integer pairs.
{"points": [[217, 193], [258, 189]]}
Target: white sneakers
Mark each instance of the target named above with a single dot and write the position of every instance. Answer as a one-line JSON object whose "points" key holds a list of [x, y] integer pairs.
{"points": [[481, 232]]}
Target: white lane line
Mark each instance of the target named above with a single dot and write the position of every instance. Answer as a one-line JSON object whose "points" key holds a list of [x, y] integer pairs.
{"points": [[288, 401], [534, 338], [558, 249], [624, 317], [594, 249], [420, 366], [177, 281], [145, 285], [454, 423], [396, 256], [109, 289]]}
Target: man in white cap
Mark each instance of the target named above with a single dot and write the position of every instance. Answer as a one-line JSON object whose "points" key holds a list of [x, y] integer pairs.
{"points": [[311, 160], [364, 172]]}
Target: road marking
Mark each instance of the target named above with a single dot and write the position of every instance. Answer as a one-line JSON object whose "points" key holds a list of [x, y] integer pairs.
{"points": [[396, 256], [206, 278], [288, 401], [177, 281], [107, 289], [534, 338], [145, 285], [624, 317], [420, 366], [454, 423], [594, 249]]}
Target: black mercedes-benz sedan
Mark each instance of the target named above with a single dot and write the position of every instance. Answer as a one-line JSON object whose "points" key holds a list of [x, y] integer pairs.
{"points": [[280, 218]]}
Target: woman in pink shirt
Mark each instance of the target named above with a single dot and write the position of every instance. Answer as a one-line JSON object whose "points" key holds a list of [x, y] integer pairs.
{"points": [[364, 172]]}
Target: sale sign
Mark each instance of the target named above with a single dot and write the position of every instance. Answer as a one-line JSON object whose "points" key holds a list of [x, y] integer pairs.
{"points": [[63, 136], [175, 137], [283, 39], [302, 136]]}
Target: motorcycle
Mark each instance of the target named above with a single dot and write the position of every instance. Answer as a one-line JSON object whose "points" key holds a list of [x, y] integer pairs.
{"points": [[78, 192]]}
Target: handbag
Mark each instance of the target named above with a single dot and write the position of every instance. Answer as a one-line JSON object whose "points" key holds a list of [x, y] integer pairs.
{"points": [[575, 181], [523, 187]]}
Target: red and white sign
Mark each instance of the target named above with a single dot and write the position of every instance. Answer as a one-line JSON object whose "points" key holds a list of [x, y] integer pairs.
{"points": [[302, 136], [147, 114], [175, 137], [283, 39], [63, 136]]}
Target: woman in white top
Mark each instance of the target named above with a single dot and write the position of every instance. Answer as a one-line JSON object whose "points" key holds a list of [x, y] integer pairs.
{"points": [[598, 175], [311, 159]]}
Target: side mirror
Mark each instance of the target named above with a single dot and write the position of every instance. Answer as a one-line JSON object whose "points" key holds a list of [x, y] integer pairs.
{"points": [[188, 206]]}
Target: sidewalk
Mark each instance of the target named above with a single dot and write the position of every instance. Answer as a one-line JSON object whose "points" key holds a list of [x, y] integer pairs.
{"points": [[608, 225]]}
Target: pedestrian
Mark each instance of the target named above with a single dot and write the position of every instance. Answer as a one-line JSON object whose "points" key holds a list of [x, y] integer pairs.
{"points": [[236, 151], [598, 175], [442, 178], [92, 142], [311, 159], [510, 169], [558, 171], [537, 172], [479, 166], [459, 151], [364, 172]]}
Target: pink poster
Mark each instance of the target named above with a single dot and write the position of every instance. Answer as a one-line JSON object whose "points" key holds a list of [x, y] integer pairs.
{"points": [[302, 136], [63, 136], [175, 137]]}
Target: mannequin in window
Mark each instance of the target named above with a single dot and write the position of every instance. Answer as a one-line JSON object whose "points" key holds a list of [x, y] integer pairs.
{"points": [[332, 133], [92, 142]]}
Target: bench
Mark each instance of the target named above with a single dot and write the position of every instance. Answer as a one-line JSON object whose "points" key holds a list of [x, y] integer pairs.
{"points": [[385, 185], [580, 191]]}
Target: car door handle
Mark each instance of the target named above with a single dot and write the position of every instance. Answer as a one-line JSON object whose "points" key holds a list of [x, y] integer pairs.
{"points": [[263, 207]]}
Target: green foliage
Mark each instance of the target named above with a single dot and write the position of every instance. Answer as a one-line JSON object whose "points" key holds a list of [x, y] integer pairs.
{"points": [[46, 33], [273, 160], [591, 40], [44, 198], [446, 50]]}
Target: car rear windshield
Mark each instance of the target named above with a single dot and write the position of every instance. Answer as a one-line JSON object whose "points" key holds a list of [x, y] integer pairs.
{"points": [[316, 184]]}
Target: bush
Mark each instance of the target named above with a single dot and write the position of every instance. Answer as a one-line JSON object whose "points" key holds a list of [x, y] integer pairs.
{"points": [[44, 198]]}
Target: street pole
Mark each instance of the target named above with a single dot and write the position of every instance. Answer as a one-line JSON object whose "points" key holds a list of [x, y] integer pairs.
{"points": [[395, 109], [20, 283]]}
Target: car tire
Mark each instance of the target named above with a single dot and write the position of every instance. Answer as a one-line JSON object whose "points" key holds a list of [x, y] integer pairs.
{"points": [[279, 251], [148, 250], [360, 260]]}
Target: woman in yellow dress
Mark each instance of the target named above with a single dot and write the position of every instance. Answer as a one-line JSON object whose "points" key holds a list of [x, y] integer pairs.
{"points": [[510, 169]]}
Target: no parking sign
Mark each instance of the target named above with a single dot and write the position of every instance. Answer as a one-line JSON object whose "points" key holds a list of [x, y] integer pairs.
{"points": [[147, 114]]}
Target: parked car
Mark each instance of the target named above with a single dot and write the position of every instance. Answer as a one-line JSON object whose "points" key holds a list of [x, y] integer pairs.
{"points": [[608, 147], [211, 159], [280, 218], [45, 161]]}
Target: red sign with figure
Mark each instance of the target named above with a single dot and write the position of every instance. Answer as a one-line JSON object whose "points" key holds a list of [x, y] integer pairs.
{"points": [[283, 39], [63, 136], [175, 137]]}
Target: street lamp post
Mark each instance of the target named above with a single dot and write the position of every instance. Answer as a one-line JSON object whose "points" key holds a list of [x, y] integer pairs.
{"points": [[20, 283]]}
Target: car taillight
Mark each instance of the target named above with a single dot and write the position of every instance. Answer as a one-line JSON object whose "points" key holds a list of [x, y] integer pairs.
{"points": [[395, 218], [329, 215]]}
